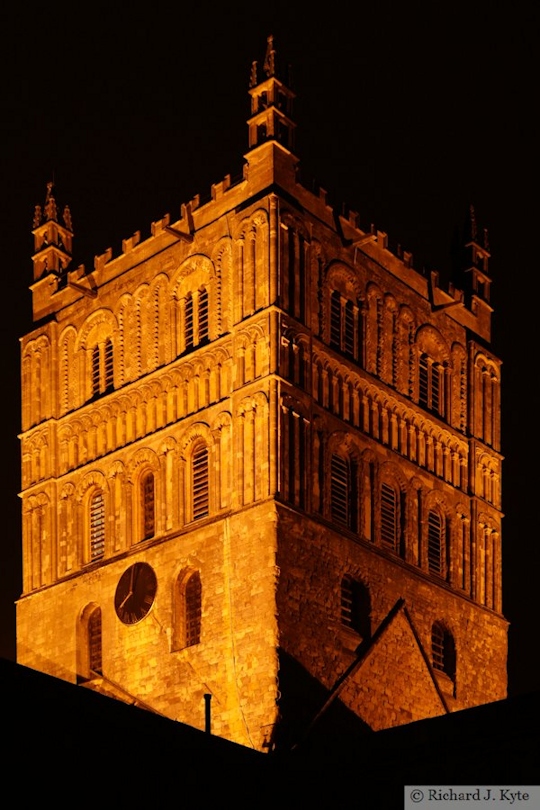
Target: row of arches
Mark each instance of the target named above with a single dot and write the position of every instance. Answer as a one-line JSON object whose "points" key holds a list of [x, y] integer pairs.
{"points": [[371, 498], [389, 420], [353, 309], [439, 387], [153, 491], [180, 309]]}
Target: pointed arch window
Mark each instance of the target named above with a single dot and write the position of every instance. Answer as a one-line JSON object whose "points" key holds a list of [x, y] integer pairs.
{"points": [[200, 481], [389, 517], [148, 505], [95, 642], [443, 650], [355, 606], [436, 543], [97, 526]]}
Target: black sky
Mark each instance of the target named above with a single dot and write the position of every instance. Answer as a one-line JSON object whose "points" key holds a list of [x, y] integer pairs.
{"points": [[408, 114]]}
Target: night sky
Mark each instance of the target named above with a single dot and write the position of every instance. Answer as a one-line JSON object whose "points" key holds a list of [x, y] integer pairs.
{"points": [[408, 115]]}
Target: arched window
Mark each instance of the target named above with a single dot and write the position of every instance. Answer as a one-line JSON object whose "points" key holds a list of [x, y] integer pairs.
{"points": [[192, 610], [436, 546], [203, 315], [148, 505], [199, 479], [443, 650], [89, 644], [97, 526], [389, 517], [355, 606], [94, 642], [187, 616]]}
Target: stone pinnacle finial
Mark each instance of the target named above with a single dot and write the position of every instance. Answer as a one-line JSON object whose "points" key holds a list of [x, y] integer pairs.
{"points": [[253, 75], [474, 232], [269, 66], [50, 209]]}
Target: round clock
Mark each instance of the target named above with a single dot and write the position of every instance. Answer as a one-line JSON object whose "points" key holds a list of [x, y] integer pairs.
{"points": [[135, 593]]}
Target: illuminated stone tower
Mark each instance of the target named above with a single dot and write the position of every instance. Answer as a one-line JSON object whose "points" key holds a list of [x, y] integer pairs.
{"points": [[261, 462]]}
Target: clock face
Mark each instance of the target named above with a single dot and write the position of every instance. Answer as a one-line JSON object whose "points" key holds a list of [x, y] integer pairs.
{"points": [[135, 593]]}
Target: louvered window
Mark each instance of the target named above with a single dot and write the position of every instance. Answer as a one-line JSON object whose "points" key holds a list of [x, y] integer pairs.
{"points": [[188, 332], [148, 505], [203, 315], [97, 526], [109, 377], [436, 389], [389, 524], [435, 543], [423, 391], [431, 385], [339, 490], [349, 330], [344, 325], [94, 642], [96, 368], [102, 368], [200, 482], [443, 651], [335, 320], [193, 610]]}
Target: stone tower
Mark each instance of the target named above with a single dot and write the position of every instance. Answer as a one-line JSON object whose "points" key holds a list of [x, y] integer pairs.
{"points": [[261, 462]]}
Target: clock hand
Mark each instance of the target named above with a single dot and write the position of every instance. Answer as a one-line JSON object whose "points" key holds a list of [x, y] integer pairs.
{"points": [[123, 602]]}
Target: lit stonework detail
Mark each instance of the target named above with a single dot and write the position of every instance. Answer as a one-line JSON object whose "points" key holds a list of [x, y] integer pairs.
{"points": [[298, 432]]}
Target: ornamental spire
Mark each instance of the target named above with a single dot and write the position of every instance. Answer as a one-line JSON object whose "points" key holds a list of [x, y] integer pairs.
{"points": [[52, 238], [271, 104]]}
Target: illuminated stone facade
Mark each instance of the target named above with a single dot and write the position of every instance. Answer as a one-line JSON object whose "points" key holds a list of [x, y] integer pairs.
{"points": [[295, 430]]}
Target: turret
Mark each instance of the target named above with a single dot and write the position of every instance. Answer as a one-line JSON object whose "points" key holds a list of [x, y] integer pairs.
{"points": [[271, 104], [52, 241]]}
